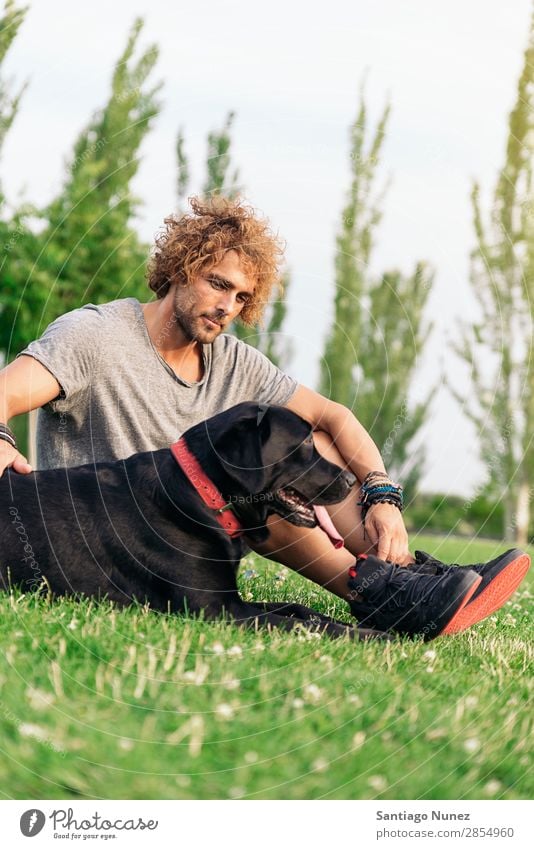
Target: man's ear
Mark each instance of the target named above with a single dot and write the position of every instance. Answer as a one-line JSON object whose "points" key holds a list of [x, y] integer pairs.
{"points": [[240, 454]]}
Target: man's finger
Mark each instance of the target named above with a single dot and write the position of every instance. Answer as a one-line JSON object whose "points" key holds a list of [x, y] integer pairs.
{"points": [[397, 558], [21, 465], [383, 548], [371, 532]]}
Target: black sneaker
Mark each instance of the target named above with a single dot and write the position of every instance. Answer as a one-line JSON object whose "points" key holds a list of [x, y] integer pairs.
{"points": [[389, 597], [500, 579]]}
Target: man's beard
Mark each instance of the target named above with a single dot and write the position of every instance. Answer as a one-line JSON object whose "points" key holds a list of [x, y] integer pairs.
{"points": [[187, 325], [192, 326]]}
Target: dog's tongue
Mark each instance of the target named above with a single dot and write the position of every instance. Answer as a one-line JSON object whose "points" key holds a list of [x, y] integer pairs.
{"points": [[325, 522]]}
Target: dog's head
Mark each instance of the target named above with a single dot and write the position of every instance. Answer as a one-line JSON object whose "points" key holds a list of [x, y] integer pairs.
{"points": [[264, 461]]}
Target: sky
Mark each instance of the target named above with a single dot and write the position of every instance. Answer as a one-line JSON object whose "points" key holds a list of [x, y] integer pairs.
{"points": [[292, 73]]}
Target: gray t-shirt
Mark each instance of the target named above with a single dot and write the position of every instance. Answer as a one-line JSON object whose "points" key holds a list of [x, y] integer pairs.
{"points": [[119, 396]]}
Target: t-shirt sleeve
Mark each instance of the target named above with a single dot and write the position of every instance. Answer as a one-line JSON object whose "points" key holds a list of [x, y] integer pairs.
{"points": [[68, 349], [262, 381]]}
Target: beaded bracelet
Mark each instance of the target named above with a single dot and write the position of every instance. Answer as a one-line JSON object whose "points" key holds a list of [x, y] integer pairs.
{"points": [[378, 488], [7, 435]]}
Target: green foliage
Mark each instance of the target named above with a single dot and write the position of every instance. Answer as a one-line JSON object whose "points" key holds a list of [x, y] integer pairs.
{"points": [[218, 179], [82, 248], [392, 337], [498, 347], [360, 218], [23, 302], [270, 339], [10, 23], [16, 247], [107, 703], [89, 240], [184, 176], [379, 331], [17, 244], [452, 514]]}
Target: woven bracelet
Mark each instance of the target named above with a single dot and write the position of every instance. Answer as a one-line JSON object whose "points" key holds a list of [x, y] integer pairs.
{"points": [[378, 488]]}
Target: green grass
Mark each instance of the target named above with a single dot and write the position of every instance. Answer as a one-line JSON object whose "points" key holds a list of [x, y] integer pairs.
{"points": [[101, 703]]}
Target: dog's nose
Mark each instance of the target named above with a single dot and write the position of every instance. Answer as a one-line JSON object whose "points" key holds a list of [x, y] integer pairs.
{"points": [[350, 479]]}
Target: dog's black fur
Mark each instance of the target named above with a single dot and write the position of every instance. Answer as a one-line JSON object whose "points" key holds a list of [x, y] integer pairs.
{"points": [[137, 529]]}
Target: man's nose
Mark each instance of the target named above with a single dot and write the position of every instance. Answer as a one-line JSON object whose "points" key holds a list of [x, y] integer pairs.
{"points": [[226, 302]]}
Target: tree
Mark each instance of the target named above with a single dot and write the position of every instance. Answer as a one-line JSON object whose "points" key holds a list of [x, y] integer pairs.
{"points": [[91, 251], [271, 341], [390, 346], [184, 174], [87, 250], [13, 232], [10, 23], [16, 240], [378, 332], [218, 180], [498, 346]]}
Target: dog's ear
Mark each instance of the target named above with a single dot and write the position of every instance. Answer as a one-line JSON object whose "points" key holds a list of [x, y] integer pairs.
{"points": [[239, 450], [262, 410]]}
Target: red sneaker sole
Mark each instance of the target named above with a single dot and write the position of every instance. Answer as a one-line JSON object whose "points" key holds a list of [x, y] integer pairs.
{"points": [[452, 622], [492, 598]]}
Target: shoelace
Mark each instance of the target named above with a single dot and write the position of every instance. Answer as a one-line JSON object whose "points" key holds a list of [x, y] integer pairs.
{"points": [[440, 566], [407, 594]]}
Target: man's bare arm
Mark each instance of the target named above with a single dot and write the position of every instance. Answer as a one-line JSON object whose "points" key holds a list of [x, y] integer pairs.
{"points": [[383, 523], [25, 384], [352, 440]]}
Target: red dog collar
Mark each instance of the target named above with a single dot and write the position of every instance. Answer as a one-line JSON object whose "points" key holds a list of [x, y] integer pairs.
{"points": [[206, 489]]}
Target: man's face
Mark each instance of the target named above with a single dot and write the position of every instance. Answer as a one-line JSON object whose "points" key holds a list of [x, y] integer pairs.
{"points": [[212, 300]]}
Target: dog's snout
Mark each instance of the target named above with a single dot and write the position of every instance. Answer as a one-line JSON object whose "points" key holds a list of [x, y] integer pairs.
{"points": [[350, 479]]}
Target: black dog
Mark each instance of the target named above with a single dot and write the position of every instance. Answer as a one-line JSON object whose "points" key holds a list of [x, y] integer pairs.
{"points": [[138, 528]]}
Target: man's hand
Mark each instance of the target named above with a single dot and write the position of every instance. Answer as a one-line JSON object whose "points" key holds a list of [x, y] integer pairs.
{"points": [[9, 456], [25, 384], [385, 528]]}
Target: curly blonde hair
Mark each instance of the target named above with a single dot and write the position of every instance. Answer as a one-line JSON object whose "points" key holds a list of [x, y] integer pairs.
{"points": [[193, 243]]}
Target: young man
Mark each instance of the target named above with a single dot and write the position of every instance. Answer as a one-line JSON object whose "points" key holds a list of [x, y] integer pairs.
{"points": [[124, 377]]}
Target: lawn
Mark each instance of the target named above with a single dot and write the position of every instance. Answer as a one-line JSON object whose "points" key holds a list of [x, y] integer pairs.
{"points": [[101, 703]]}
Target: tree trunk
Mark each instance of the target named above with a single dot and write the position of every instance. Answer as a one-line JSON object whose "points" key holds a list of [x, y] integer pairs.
{"points": [[509, 531], [522, 515], [32, 438]]}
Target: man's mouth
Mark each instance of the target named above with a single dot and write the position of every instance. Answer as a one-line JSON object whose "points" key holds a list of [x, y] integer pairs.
{"points": [[212, 322]]}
